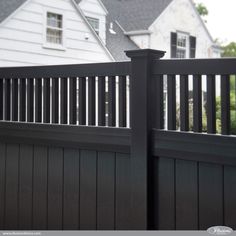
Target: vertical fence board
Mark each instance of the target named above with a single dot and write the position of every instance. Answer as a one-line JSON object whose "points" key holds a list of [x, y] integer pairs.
{"points": [[38, 100], [88, 190], [166, 194], [122, 101], [30, 100], [73, 107], [171, 87], [46, 100], [123, 192], [40, 187], [14, 100], [7, 104], [91, 101], [55, 188], [82, 101], [211, 104], [25, 187], [71, 189], [186, 195], [22, 100], [210, 195], [1, 99], [64, 104], [55, 100], [106, 191], [225, 104], [12, 167], [197, 103], [230, 196], [2, 183], [184, 103], [101, 102], [159, 90], [112, 101]]}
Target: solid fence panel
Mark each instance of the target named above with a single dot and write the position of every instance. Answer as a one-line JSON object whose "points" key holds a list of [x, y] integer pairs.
{"points": [[71, 189], [55, 188], [40, 188], [25, 187], [106, 191]]}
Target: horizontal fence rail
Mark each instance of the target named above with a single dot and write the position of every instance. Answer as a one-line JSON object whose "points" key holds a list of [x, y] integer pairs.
{"points": [[198, 95], [90, 94]]}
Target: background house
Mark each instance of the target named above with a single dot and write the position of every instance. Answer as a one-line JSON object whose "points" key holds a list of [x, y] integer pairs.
{"points": [[36, 32]]}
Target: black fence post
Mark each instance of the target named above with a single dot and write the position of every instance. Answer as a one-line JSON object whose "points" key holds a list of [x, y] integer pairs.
{"points": [[142, 101]]}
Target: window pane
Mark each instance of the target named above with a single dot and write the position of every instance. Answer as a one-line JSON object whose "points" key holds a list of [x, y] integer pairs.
{"points": [[181, 53], [54, 36], [94, 23], [54, 20]]}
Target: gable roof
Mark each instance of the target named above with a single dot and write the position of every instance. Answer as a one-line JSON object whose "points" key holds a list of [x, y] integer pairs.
{"points": [[9, 6], [134, 15]]}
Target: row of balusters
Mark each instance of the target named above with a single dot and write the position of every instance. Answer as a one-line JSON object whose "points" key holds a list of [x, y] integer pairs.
{"points": [[101, 101], [174, 114]]}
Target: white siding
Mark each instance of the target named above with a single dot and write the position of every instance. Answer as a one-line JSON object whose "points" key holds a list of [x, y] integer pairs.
{"points": [[93, 8], [22, 41]]}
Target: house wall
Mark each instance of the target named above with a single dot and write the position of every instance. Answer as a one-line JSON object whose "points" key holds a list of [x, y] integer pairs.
{"points": [[142, 41], [22, 37], [92, 8], [181, 16]]}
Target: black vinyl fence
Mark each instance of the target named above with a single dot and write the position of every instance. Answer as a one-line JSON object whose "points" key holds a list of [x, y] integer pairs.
{"points": [[61, 168]]}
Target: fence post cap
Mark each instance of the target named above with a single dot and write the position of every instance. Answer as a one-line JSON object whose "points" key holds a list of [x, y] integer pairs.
{"points": [[157, 54]]}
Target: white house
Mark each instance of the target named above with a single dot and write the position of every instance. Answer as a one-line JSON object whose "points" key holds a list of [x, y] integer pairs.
{"points": [[38, 32]]}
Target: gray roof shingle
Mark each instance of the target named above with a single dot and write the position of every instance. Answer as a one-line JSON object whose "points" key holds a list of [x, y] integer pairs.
{"points": [[135, 15], [7, 7]]}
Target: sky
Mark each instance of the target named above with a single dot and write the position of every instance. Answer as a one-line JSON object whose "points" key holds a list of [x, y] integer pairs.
{"points": [[221, 19]]}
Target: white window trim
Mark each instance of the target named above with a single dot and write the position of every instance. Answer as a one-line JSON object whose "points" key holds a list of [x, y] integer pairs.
{"points": [[47, 45], [187, 51], [99, 24]]}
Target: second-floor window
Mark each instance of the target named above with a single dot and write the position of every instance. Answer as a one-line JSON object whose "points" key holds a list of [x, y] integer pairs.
{"points": [[181, 50], [54, 31], [94, 22]]}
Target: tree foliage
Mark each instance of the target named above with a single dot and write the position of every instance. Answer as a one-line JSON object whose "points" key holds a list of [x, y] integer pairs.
{"points": [[229, 50], [202, 10]]}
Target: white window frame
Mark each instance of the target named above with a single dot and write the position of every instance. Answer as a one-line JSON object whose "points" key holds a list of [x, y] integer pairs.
{"points": [[46, 44], [182, 48], [96, 19]]}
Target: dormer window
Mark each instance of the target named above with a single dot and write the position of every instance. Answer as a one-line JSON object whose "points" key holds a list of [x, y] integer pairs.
{"points": [[94, 22], [54, 31]]}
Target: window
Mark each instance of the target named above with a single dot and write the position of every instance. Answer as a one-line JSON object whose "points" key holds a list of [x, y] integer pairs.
{"points": [[181, 50], [94, 23], [54, 29]]}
